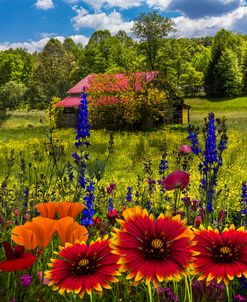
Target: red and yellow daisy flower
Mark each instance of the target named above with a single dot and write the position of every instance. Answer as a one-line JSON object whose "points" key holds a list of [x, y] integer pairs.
{"points": [[17, 258], [82, 268], [220, 255], [152, 250]]}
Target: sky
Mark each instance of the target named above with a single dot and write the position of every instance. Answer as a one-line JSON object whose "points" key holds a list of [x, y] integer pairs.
{"points": [[30, 23]]}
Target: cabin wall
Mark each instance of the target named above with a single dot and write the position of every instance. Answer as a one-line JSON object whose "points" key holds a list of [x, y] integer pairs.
{"points": [[69, 116]]}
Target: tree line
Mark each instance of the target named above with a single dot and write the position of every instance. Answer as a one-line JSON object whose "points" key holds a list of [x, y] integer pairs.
{"points": [[216, 66]]}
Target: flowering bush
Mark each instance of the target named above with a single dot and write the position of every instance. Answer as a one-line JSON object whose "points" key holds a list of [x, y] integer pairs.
{"points": [[121, 100]]}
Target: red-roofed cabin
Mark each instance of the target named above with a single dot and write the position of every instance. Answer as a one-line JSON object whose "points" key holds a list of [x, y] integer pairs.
{"points": [[105, 89]]}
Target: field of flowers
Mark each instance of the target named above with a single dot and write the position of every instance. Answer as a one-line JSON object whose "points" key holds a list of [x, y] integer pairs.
{"points": [[92, 215]]}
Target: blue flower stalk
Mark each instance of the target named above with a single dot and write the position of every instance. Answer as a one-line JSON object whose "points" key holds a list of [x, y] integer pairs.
{"points": [[163, 166], [129, 194], [83, 128], [88, 212], [211, 156], [82, 143], [243, 203]]}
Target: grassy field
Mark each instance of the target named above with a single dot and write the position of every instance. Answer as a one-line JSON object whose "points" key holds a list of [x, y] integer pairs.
{"points": [[233, 109], [28, 133]]}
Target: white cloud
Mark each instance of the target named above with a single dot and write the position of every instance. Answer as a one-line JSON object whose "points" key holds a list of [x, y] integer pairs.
{"points": [[44, 4], [97, 4], [113, 22], [46, 35], [235, 21], [160, 4], [74, 1], [80, 39], [33, 46]]}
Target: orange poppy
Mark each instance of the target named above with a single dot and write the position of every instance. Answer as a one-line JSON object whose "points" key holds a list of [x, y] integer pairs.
{"points": [[25, 237], [63, 209], [47, 209], [70, 231], [37, 232], [71, 209]]}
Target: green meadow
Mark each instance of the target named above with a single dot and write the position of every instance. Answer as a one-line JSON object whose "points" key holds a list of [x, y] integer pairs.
{"points": [[28, 133]]}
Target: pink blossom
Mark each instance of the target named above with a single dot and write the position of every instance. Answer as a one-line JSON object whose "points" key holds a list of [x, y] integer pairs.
{"points": [[112, 214], [176, 179], [45, 281], [185, 149]]}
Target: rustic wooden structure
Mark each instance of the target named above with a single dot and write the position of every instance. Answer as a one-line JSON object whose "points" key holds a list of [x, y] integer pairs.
{"points": [[68, 117]]}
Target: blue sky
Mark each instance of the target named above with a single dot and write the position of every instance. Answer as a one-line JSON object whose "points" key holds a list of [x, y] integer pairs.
{"points": [[30, 23]]}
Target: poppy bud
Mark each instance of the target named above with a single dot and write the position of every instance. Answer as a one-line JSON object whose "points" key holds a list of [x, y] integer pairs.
{"points": [[185, 149], [198, 220]]}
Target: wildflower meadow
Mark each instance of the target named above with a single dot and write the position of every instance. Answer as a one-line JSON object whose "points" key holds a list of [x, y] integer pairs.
{"points": [[93, 215]]}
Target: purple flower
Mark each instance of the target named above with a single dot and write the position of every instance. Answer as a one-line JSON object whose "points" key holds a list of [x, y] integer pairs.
{"points": [[239, 298], [25, 280], [111, 188]]}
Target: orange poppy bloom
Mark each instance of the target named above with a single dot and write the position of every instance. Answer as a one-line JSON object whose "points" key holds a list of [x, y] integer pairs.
{"points": [[37, 232], [70, 231], [63, 209], [71, 209], [25, 237], [47, 209]]}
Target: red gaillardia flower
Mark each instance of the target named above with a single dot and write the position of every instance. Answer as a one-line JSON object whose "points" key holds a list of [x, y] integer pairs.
{"points": [[152, 250], [220, 256], [82, 268], [17, 258], [176, 179]]}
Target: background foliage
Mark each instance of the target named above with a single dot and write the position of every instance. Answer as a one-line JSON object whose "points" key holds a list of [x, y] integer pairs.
{"points": [[215, 65]]}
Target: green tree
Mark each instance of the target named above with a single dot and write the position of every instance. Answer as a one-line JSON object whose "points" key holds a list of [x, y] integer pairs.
{"points": [[11, 97], [191, 81], [15, 65], [215, 78], [151, 28], [230, 72], [51, 74]]}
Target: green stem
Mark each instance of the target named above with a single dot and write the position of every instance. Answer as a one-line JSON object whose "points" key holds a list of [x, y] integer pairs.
{"points": [[227, 293], [175, 288], [176, 196], [188, 290], [150, 292], [91, 297]]}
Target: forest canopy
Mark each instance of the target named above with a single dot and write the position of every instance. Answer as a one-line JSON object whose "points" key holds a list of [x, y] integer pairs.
{"points": [[215, 66]]}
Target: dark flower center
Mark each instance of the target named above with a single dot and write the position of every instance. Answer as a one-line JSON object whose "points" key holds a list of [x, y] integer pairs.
{"points": [[84, 266], [155, 249], [225, 250], [157, 243], [83, 262], [225, 254]]}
